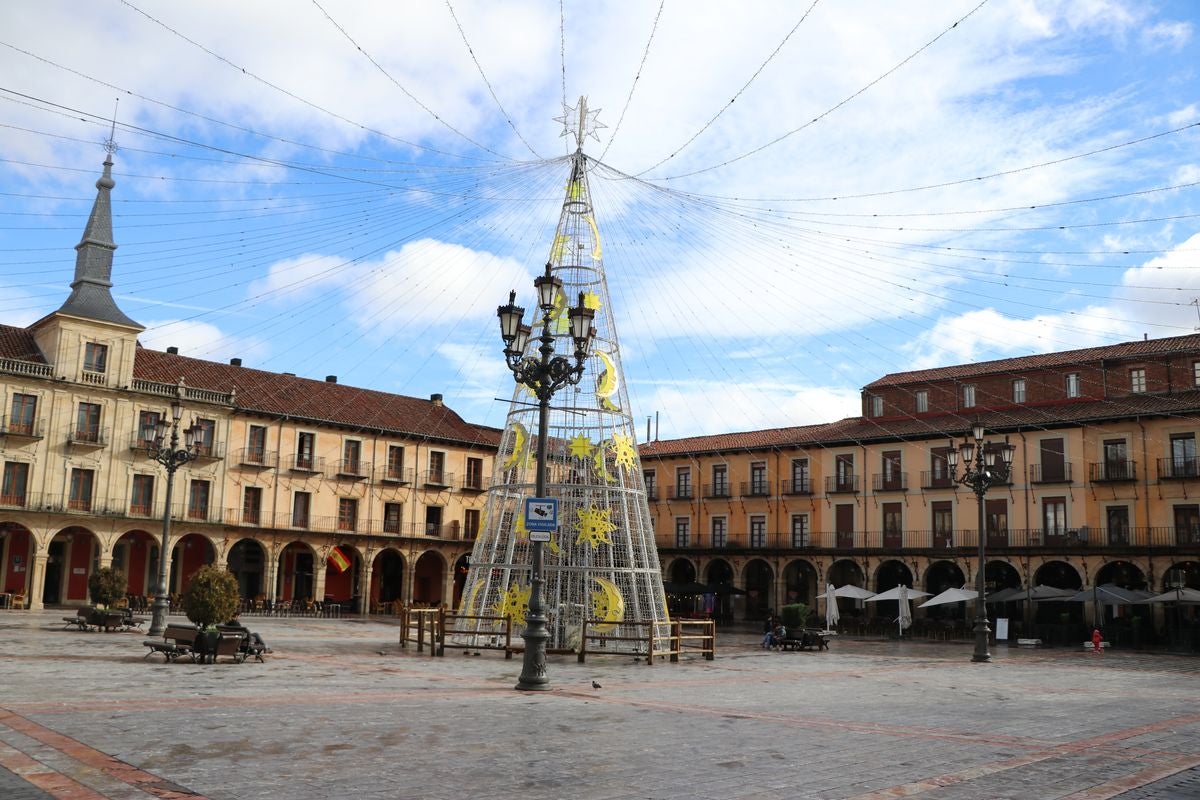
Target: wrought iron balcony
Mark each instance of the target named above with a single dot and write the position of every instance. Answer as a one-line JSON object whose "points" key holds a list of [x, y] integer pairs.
{"points": [[796, 486], [759, 488], [841, 484], [352, 469], [24, 429], [437, 478], [397, 475], [1178, 469], [895, 482], [716, 491], [88, 437], [1053, 473], [680, 492], [256, 458], [305, 463], [936, 479], [1112, 471]]}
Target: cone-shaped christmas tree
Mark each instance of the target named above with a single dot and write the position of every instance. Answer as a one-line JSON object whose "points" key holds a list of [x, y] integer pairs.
{"points": [[600, 563]]}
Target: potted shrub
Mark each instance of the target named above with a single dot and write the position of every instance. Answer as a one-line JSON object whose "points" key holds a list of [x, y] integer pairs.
{"points": [[211, 598], [795, 616], [106, 586]]}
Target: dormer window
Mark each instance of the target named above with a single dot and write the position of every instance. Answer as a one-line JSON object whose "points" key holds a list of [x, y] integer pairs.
{"points": [[95, 357], [1018, 390], [1137, 380], [1073, 384], [968, 395], [922, 401], [876, 406]]}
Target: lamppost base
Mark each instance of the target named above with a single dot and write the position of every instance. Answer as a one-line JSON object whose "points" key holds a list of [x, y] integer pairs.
{"points": [[533, 661], [158, 616], [982, 632]]}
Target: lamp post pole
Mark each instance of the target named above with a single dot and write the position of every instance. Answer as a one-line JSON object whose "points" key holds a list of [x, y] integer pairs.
{"points": [[979, 472], [171, 456], [544, 375]]}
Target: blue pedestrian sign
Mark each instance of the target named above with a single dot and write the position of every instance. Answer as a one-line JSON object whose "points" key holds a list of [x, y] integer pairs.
{"points": [[541, 516]]}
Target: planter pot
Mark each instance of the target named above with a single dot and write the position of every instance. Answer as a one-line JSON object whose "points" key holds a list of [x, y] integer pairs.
{"points": [[206, 645]]}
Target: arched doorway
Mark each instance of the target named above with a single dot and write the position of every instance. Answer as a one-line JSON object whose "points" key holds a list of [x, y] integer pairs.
{"points": [[387, 580], [719, 577], [940, 576], [72, 555], [191, 552], [1060, 575], [760, 598], [1181, 621], [341, 585], [16, 544], [890, 575], [682, 570], [247, 562], [428, 579], [845, 572], [132, 554], [799, 583], [461, 568], [1127, 623], [296, 572], [686, 596]]}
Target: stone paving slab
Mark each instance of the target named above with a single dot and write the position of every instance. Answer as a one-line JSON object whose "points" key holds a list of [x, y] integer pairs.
{"points": [[339, 711]]}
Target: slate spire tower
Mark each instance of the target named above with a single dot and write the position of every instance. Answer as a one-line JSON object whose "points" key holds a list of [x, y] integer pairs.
{"points": [[601, 564]]}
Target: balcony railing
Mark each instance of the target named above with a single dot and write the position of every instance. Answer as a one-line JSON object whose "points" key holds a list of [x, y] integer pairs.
{"points": [[716, 491], [1112, 471], [841, 484], [1053, 473], [473, 483], [16, 366], [895, 482], [438, 530], [94, 377], [652, 494], [88, 437], [936, 479], [397, 475], [678, 492], [796, 486], [437, 477], [31, 429], [210, 451], [305, 463], [961, 541], [759, 488], [1178, 469], [256, 458], [352, 468]]}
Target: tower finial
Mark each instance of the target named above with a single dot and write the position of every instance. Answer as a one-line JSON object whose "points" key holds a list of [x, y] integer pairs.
{"points": [[110, 144], [580, 121]]}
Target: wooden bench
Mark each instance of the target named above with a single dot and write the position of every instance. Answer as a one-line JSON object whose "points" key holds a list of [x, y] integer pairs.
{"points": [[81, 620], [807, 639], [177, 641]]}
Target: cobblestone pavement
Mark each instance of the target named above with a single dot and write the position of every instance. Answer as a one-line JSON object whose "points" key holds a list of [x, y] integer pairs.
{"points": [[339, 711]]}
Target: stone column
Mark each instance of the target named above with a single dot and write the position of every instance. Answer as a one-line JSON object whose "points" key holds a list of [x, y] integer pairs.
{"points": [[37, 579], [319, 574]]}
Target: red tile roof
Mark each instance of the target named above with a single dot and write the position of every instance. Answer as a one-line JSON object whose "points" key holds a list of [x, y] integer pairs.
{"points": [[276, 394], [1137, 349], [18, 343]]}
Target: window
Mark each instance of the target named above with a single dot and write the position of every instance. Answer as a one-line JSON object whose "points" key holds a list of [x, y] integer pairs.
{"points": [[876, 406], [1196, 373], [1117, 520], [306, 444], [395, 463], [198, 500], [16, 481], [922, 400], [95, 357], [147, 429], [758, 479], [800, 476], [437, 467], [252, 505], [968, 395], [474, 473], [1116, 466], [141, 501], [996, 519], [683, 531], [87, 423], [799, 530], [943, 523], [347, 514], [1183, 455], [351, 457], [683, 482], [844, 473], [720, 531], [1137, 380], [651, 489], [391, 517], [1073, 384], [720, 481], [891, 479], [433, 520], [1187, 524], [256, 444], [758, 530], [206, 436], [1054, 462], [893, 524], [80, 498], [471, 523], [1018, 387], [24, 408], [1054, 516], [301, 502]]}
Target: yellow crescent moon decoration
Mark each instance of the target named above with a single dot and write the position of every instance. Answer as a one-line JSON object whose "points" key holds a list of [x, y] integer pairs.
{"points": [[607, 385], [596, 251], [520, 446], [598, 464], [607, 605]]}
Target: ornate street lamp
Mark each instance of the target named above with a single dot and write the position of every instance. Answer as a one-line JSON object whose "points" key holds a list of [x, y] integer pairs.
{"points": [[980, 471], [544, 374], [169, 454]]}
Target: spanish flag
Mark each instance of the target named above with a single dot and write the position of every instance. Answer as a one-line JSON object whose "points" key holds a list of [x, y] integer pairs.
{"points": [[338, 559]]}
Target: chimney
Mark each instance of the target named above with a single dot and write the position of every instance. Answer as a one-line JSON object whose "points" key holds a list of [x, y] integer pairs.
{"points": [[436, 399], [331, 378], [235, 362], [289, 374], [173, 351]]}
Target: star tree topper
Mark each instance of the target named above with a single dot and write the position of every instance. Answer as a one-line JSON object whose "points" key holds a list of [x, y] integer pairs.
{"points": [[580, 121]]}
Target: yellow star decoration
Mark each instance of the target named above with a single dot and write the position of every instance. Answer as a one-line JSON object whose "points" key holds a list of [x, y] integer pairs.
{"points": [[553, 545], [556, 250], [514, 603], [591, 300], [581, 447], [594, 526], [519, 531], [624, 451]]}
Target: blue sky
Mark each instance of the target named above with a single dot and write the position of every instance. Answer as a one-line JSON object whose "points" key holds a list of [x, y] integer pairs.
{"points": [[794, 199]]}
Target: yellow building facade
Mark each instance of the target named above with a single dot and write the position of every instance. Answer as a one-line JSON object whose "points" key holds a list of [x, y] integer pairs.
{"points": [[309, 491]]}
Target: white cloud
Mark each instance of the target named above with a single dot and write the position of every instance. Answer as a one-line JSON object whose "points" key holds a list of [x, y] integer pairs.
{"points": [[202, 340], [1170, 35]]}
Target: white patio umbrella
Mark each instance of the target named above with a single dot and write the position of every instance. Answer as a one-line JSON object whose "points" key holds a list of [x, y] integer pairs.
{"points": [[950, 596], [894, 594], [1007, 595], [1045, 592], [856, 592], [1180, 595], [831, 609], [905, 618]]}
